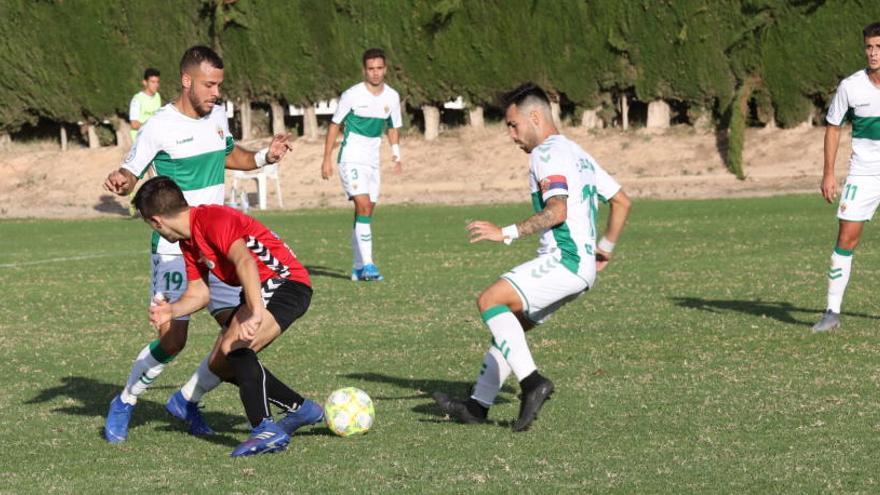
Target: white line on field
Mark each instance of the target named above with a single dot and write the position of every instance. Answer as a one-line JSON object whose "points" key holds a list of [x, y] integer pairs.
{"points": [[68, 258]]}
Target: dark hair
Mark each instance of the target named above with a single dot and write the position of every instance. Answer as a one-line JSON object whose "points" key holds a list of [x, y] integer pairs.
{"points": [[151, 72], [525, 91], [159, 196], [871, 30], [372, 53], [195, 55]]}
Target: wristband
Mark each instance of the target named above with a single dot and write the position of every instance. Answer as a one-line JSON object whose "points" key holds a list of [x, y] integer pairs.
{"points": [[605, 245], [395, 152], [260, 157], [510, 233]]}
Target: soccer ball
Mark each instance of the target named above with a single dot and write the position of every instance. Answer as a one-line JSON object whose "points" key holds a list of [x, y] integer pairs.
{"points": [[349, 411]]}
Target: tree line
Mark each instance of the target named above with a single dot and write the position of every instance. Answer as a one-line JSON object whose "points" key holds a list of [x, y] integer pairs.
{"points": [[719, 62]]}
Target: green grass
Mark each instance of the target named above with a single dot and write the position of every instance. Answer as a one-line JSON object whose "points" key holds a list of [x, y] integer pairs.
{"points": [[689, 368]]}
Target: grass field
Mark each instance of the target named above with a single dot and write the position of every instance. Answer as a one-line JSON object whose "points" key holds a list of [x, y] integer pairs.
{"points": [[689, 368]]}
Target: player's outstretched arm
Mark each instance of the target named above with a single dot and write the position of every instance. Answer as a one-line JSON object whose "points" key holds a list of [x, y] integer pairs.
{"points": [[554, 213], [620, 206], [120, 181], [241, 159], [194, 298], [829, 182], [329, 144]]}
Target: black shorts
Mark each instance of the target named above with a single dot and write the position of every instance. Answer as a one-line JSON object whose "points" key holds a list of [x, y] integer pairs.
{"points": [[286, 300]]}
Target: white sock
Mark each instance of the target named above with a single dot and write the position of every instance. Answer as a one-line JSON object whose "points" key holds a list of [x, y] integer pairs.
{"points": [[838, 277], [510, 340], [495, 370], [145, 369], [355, 251], [200, 383], [364, 239]]}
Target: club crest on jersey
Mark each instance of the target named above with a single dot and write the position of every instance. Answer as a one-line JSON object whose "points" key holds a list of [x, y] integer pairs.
{"points": [[387, 109], [220, 132], [205, 261]]}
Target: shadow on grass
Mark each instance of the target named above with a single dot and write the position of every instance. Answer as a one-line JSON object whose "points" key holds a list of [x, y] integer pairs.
{"points": [[107, 204], [325, 271], [778, 310], [93, 398], [423, 388]]}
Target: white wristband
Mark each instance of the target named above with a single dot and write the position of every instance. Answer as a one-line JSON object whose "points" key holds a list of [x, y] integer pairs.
{"points": [[395, 152], [260, 157], [605, 245], [510, 233]]}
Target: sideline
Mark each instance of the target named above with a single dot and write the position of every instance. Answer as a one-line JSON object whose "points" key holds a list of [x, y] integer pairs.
{"points": [[70, 258]]}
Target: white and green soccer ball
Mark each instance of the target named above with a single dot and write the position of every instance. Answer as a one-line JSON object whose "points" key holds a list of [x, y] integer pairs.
{"points": [[349, 411]]}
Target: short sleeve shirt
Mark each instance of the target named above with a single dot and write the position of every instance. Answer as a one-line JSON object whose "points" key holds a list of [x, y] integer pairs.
{"points": [[857, 99], [214, 228], [364, 117]]}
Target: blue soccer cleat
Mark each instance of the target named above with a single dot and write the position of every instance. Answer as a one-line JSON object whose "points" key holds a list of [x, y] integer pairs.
{"points": [[371, 272], [266, 438], [357, 274], [188, 412], [116, 426], [308, 413]]}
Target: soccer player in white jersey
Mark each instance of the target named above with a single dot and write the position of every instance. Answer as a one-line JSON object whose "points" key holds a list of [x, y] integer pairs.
{"points": [[858, 100], [189, 141], [566, 185], [365, 110]]}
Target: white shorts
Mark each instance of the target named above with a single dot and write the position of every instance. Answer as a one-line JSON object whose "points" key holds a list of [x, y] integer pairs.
{"points": [[544, 285], [169, 277], [859, 198], [359, 179]]}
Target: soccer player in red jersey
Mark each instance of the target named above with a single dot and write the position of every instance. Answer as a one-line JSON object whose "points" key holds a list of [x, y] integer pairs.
{"points": [[276, 291]]}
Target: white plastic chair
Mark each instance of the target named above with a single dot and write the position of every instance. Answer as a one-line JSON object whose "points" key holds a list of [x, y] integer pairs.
{"points": [[261, 176]]}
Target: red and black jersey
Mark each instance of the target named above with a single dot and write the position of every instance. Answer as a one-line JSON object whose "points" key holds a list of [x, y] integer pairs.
{"points": [[213, 229]]}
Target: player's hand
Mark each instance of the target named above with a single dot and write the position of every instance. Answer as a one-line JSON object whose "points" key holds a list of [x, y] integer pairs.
{"points": [[602, 259], [160, 313], [397, 169], [250, 324], [117, 183], [326, 169], [484, 231], [278, 148], [829, 188]]}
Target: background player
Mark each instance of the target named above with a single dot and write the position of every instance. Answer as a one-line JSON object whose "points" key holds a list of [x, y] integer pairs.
{"points": [[189, 141], [241, 252], [566, 185], [145, 103], [857, 99], [365, 110]]}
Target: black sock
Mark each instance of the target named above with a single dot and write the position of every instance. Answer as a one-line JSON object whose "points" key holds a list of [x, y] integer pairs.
{"points": [[476, 409], [280, 394], [250, 377], [530, 382]]}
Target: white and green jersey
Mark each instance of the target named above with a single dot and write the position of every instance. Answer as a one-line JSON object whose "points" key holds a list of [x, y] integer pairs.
{"points": [[558, 166], [858, 100], [190, 151], [365, 117], [142, 107]]}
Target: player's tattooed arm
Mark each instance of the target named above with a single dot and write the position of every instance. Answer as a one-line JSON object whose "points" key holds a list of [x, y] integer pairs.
{"points": [[552, 215]]}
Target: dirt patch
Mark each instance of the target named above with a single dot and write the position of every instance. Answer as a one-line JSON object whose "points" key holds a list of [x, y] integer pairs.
{"points": [[462, 166]]}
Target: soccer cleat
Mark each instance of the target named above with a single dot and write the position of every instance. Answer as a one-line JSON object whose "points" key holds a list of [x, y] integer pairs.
{"points": [[371, 272], [456, 409], [188, 412], [266, 438], [116, 426], [531, 403], [829, 321], [357, 274], [308, 413]]}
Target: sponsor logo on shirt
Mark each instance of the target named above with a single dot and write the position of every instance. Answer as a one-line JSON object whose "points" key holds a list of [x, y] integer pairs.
{"points": [[185, 140]]}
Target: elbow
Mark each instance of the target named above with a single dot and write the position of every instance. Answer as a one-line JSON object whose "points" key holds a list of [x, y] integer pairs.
{"points": [[622, 201]]}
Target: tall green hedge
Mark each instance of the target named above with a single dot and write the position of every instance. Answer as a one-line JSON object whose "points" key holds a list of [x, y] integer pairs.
{"points": [[82, 59]]}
